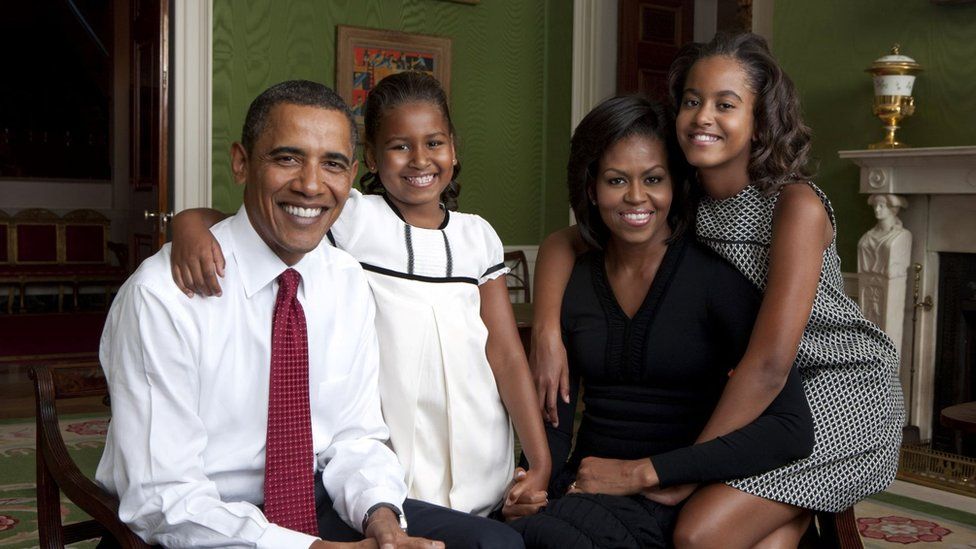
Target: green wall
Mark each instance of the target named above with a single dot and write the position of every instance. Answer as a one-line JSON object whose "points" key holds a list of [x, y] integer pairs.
{"points": [[510, 89], [825, 47]]}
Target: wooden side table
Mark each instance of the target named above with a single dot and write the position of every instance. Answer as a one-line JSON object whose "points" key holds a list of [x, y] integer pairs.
{"points": [[961, 418]]}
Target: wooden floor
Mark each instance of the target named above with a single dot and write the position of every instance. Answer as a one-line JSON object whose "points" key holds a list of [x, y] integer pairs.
{"points": [[17, 396]]}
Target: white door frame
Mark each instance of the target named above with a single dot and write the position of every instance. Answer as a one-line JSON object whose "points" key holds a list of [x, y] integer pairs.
{"points": [[191, 77]]}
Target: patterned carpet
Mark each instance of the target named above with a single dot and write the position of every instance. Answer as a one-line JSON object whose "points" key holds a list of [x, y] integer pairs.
{"points": [[885, 520], [83, 435]]}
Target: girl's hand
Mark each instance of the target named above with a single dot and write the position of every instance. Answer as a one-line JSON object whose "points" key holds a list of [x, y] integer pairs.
{"points": [[550, 372], [196, 258], [616, 477], [526, 495], [671, 495]]}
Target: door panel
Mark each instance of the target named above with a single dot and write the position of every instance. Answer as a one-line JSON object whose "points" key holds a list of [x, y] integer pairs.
{"points": [[650, 32], [149, 119]]}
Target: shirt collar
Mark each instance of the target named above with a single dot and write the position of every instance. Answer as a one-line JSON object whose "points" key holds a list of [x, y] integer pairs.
{"points": [[258, 265]]}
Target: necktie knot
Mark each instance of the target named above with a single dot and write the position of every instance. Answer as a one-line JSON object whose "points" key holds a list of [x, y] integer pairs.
{"points": [[288, 282]]}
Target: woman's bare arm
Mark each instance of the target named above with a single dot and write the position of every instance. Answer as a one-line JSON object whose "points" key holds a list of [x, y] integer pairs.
{"points": [[553, 267]]}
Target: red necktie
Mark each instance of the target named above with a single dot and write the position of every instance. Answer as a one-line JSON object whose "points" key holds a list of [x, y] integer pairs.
{"points": [[289, 482]]}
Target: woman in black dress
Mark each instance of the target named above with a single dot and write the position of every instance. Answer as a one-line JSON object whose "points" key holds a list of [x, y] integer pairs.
{"points": [[653, 324]]}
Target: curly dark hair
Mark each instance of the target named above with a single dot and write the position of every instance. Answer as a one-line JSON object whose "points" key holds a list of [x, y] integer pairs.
{"points": [[393, 91], [612, 120], [781, 149]]}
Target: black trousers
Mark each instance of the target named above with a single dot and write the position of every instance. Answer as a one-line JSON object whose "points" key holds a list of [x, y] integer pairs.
{"points": [[425, 520]]}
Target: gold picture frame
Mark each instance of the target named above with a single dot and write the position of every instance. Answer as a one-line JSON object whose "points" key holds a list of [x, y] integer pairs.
{"points": [[365, 56]]}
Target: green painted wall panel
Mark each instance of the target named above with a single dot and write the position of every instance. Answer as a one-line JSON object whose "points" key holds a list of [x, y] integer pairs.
{"points": [[509, 88], [825, 47]]}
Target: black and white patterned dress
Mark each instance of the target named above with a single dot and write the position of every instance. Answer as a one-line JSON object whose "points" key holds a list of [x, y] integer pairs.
{"points": [[848, 365]]}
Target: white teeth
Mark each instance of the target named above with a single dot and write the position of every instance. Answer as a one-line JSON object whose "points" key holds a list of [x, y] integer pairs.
{"points": [[704, 138], [637, 216], [301, 212], [422, 180]]}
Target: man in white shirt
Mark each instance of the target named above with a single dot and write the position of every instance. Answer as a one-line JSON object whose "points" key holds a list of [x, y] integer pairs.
{"points": [[191, 379]]}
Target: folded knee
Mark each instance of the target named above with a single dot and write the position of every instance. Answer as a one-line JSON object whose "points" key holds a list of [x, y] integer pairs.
{"points": [[697, 535]]}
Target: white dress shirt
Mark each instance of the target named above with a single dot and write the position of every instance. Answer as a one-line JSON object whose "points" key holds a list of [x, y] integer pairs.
{"points": [[189, 384]]}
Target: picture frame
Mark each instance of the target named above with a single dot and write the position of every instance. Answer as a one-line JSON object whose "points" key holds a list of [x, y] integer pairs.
{"points": [[365, 56]]}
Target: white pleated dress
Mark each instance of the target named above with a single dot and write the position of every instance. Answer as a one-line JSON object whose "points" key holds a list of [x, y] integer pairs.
{"points": [[447, 422]]}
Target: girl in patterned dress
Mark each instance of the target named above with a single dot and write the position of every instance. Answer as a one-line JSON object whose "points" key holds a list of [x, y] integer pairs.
{"points": [[739, 125], [452, 367]]}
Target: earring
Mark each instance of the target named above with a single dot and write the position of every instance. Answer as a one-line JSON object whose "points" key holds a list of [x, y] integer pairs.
{"points": [[455, 161], [372, 169]]}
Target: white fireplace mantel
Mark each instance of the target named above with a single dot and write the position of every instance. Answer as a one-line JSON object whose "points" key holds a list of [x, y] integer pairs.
{"points": [[912, 171], [940, 186]]}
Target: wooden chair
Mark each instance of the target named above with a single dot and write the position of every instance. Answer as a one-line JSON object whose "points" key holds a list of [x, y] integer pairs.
{"points": [[57, 472], [518, 277], [833, 531]]}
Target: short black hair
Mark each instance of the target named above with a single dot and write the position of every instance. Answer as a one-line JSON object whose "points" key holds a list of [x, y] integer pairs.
{"points": [[391, 92], [609, 122], [294, 92]]}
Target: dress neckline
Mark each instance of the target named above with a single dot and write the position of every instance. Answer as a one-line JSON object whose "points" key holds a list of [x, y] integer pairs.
{"points": [[443, 225], [660, 282]]}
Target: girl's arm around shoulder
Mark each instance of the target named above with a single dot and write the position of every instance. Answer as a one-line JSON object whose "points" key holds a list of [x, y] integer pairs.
{"points": [[197, 259], [801, 233]]}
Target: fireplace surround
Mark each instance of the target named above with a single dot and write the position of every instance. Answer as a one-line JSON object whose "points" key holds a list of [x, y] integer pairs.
{"points": [[940, 186]]}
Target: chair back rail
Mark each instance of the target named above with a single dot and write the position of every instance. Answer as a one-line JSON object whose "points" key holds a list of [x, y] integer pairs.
{"points": [[518, 276], [57, 472]]}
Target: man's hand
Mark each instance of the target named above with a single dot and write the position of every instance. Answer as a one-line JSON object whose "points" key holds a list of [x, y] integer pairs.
{"points": [[525, 496], [384, 528], [616, 477], [671, 495]]}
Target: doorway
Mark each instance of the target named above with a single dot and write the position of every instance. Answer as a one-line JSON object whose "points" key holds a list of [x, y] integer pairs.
{"points": [[83, 148]]}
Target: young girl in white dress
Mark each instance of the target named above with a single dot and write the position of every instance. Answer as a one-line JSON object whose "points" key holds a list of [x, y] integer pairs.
{"points": [[452, 367]]}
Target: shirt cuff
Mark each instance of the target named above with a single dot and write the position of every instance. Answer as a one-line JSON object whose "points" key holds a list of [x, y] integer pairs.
{"points": [[276, 537]]}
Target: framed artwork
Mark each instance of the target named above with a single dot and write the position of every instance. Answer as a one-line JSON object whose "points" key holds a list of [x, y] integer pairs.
{"points": [[365, 56]]}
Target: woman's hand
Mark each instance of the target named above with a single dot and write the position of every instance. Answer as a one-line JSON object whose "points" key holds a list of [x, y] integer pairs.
{"points": [[526, 495], [550, 372], [671, 495], [196, 259], [616, 477]]}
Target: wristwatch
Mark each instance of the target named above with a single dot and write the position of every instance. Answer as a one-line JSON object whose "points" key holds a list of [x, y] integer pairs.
{"points": [[396, 511]]}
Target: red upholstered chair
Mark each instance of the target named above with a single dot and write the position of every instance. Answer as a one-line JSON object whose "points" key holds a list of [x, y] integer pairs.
{"points": [[5, 240], [35, 251], [86, 246], [85, 237], [6, 254], [35, 236]]}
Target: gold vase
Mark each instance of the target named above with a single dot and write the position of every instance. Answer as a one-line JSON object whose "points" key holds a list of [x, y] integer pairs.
{"points": [[894, 78], [891, 109]]}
